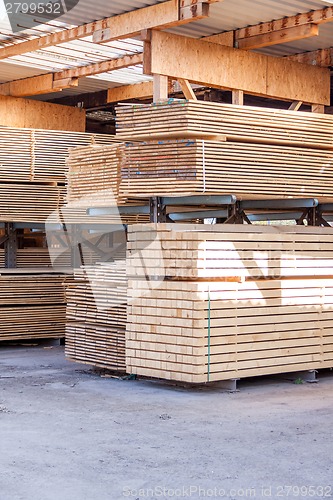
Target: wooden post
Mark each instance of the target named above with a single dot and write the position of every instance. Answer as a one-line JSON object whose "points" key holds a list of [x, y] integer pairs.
{"points": [[161, 88], [238, 97], [317, 108]]}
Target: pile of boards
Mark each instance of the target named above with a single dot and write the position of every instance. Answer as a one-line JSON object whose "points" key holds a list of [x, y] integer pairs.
{"points": [[199, 147], [31, 306], [211, 303], [34, 170], [94, 180], [96, 315]]}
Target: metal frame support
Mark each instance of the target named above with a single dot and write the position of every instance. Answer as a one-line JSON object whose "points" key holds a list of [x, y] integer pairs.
{"points": [[157, 210], [11, 246]]}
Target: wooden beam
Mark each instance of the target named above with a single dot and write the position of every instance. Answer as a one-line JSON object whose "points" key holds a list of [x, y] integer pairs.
{"points": [[295, 106], [238, 97], [187, 89], [319, 16], [100, 67], [276, 37], [322, 57], [246, 38], [126, 92], [160, 88], [161, 16], [54, 82], [317, 108], [219, 66], [122, 26], [226, 38]]}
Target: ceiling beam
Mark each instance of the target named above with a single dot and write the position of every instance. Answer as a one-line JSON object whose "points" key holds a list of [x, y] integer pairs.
{"points": [[127, 92], [214, 65], [286, 29], [322, 57], [280, 36], [54, 82], [122, 26], [160, 16]]}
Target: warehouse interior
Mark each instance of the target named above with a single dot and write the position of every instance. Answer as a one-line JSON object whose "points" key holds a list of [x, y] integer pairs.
{"points": [[166, 249]]}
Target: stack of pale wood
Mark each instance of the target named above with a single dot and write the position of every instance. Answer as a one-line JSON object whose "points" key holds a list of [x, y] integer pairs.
{"points": [[247, 170], [180, 119], [201, 147], [34, 170], [215, 303], [93, 176], [31, 155], [32, 306], [96, 315], [93, 181]]}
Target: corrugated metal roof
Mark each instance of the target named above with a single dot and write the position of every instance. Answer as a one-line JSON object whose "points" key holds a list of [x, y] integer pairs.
{"points": [[225, 16]]}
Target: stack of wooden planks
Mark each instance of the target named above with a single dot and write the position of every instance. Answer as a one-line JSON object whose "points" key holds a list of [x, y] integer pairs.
{"points": [[181, 119], [247, 170], [32, 306], [96, 315], [31, 155], [216, 303], [93, 176]]}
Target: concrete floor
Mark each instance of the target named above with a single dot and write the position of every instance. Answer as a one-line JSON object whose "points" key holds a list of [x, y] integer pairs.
{"points": [[67, 434]]}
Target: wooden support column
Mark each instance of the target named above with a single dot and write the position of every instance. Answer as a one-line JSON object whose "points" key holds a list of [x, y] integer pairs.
{"points": [[317, 108], [187, 89], [238, 97], [295, 105], [161, 88]]}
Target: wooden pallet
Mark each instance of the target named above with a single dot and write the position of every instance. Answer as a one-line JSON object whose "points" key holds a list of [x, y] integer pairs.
{"points": [[249, 171], [180, 119]]}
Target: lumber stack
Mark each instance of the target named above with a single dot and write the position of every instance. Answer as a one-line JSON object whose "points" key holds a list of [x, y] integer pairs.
{"points": [[31, 155], [182, 119], [247, 170], [228, 302], [32, 307], [96, 315], [93, 181], [93, 176]]}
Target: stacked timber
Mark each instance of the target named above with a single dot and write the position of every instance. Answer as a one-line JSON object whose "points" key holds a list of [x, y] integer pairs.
{"points": [[96, 315], [30, 155], [199, 147], [93, 176], [209, 304], [32, 306], [180, 119], [247, 170], [93, 181]]}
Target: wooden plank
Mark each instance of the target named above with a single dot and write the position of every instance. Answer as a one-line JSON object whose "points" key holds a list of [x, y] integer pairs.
{"points": [[238, 97], [126, 92], [276, 37], [322, 57], [187, 89], [160, 88], [230, 68], [246, 124]]}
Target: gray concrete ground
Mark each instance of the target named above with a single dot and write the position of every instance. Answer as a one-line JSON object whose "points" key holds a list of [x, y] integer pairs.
{"points": [[68, 434]]}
